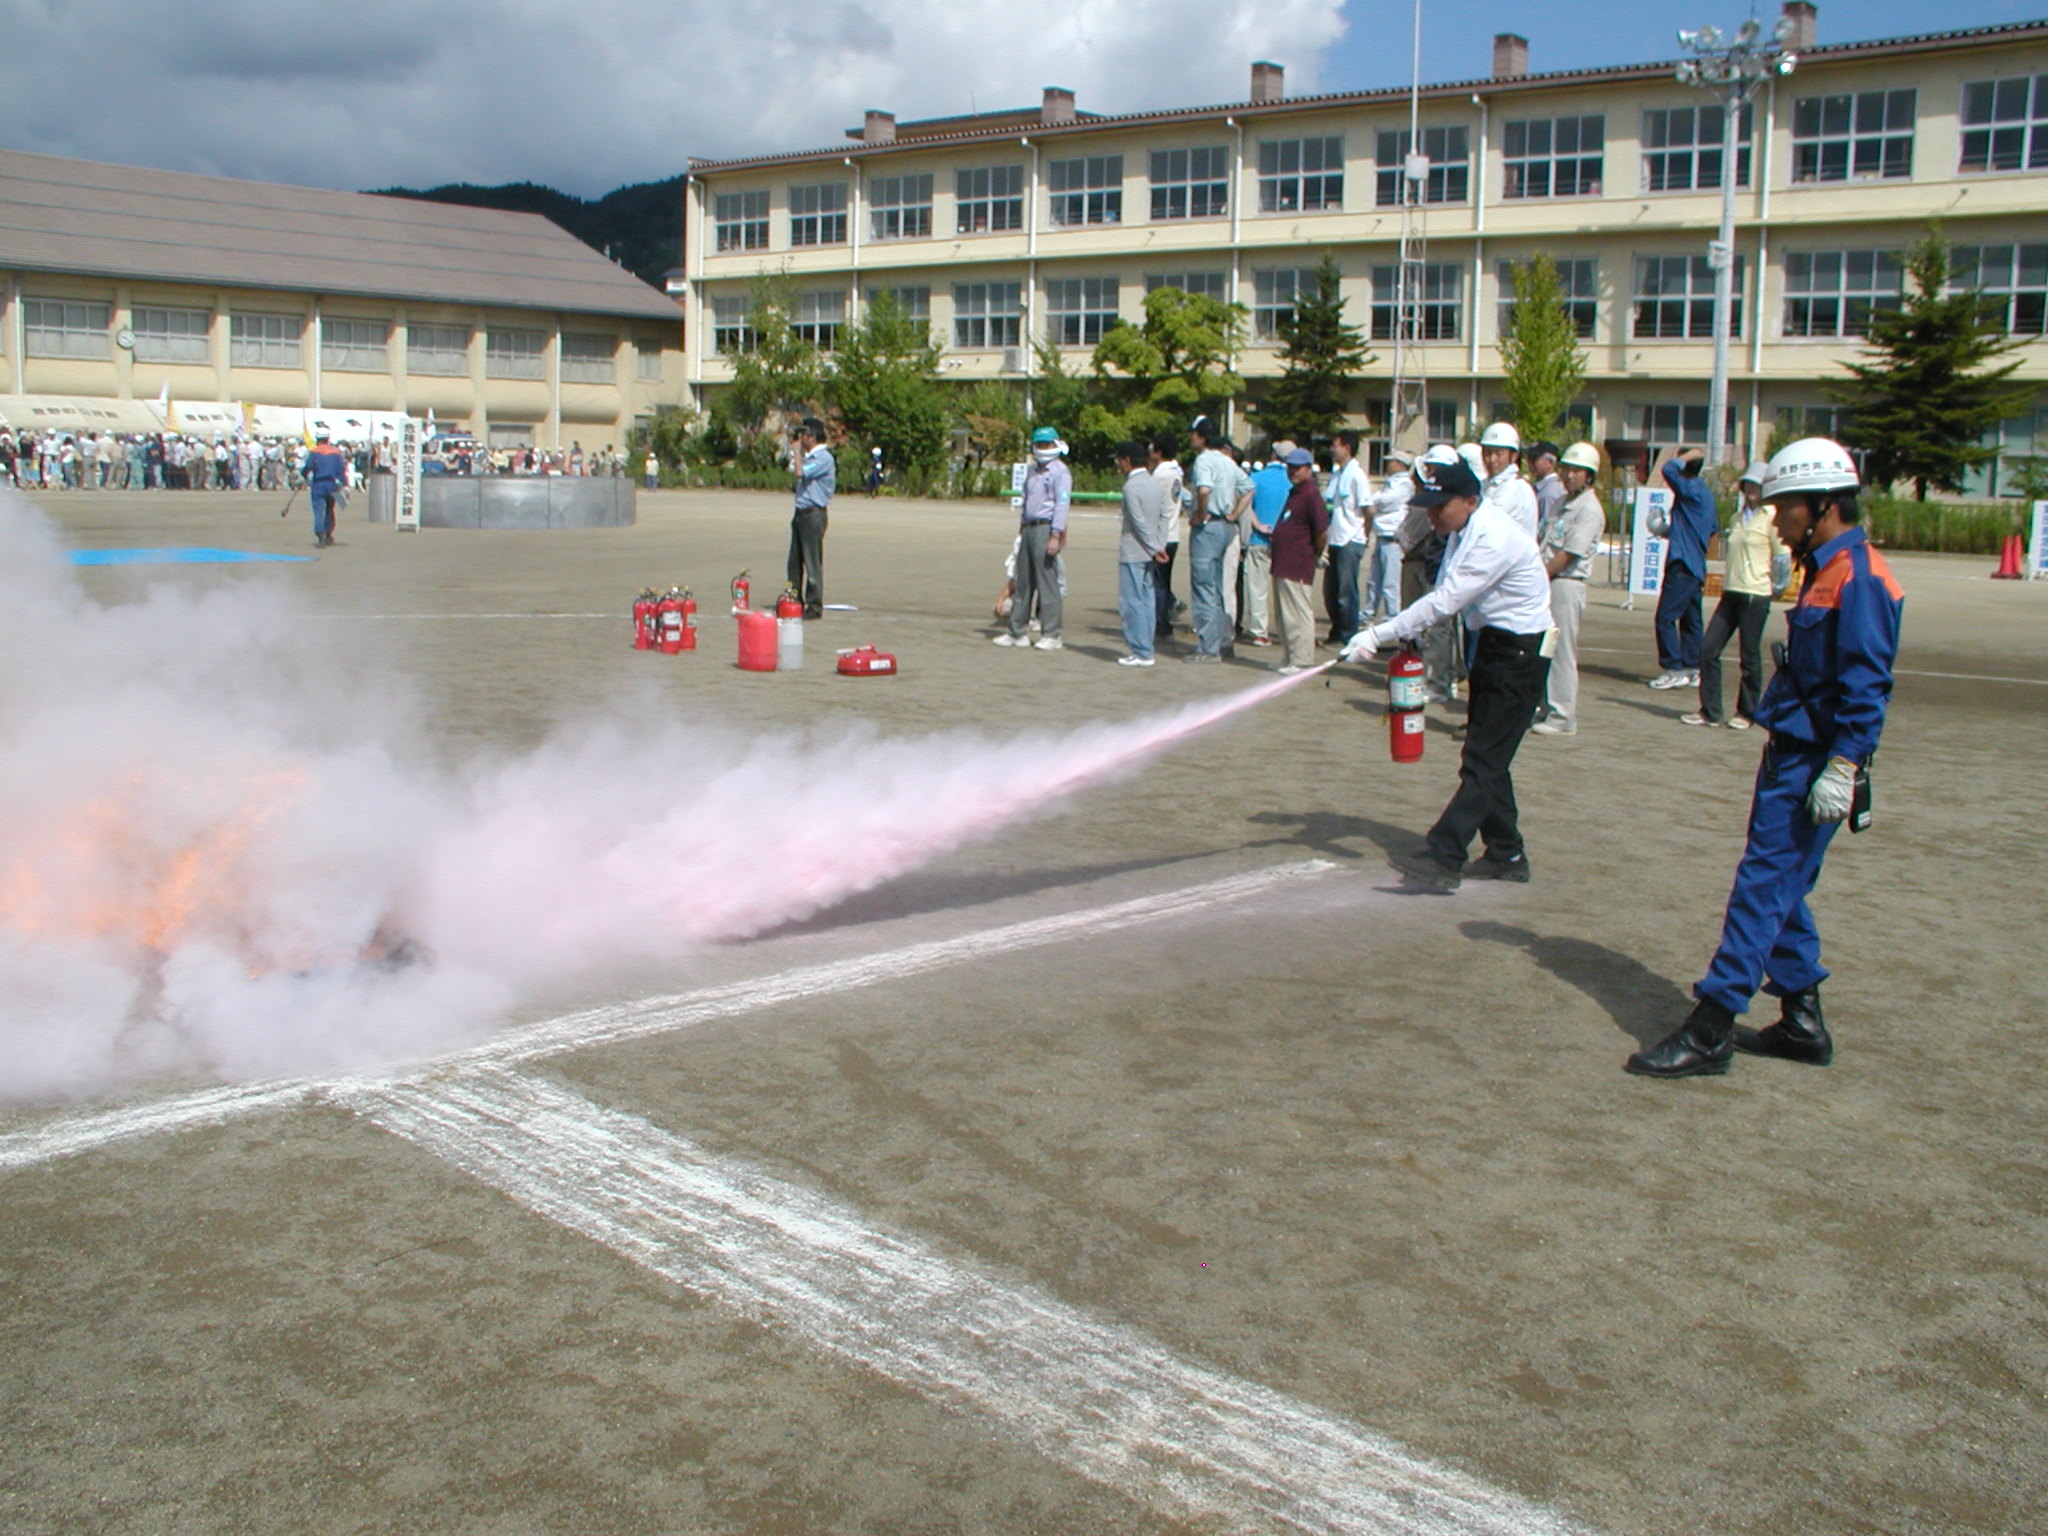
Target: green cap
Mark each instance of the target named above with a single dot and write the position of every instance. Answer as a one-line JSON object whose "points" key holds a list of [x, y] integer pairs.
{"points": [[1045, 435]]}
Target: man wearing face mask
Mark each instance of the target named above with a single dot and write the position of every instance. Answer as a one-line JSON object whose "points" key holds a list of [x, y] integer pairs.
{"points": [[1824, 709], [1042, 534]]}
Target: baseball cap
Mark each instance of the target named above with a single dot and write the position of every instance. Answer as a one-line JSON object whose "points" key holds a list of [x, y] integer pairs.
{"points": [[1298, 457], [1280, 448], [1449, 482], [1045, 435], [1399, 456]]}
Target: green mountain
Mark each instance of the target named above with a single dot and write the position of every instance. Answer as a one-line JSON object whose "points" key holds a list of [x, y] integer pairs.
{"points": [[640, 227]]}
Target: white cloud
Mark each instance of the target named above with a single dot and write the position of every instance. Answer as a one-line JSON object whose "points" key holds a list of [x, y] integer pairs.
{"points": [[586, 96]]}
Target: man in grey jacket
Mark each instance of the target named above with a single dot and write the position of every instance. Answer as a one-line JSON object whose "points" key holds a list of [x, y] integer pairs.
{"points": [[1147, 520], [817, 477]]}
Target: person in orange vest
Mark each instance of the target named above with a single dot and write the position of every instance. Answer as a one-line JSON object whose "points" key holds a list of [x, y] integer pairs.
{"points": [[325, 471]]}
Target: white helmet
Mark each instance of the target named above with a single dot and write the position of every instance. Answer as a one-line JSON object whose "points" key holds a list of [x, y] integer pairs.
{"points": [[1811, 466], [1754, 475], [1469, 452], [1581, 456], [1501, 434]]}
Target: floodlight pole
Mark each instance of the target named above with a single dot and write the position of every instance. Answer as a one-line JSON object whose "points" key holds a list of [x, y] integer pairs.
{"points": [[1732, 70]]}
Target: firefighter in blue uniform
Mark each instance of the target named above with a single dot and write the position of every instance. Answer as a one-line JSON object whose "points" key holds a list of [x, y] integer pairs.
{"points": [[326, 471], [1824, 709]]}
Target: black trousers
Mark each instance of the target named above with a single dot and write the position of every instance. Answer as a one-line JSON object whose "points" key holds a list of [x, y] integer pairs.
{"points": [[1678, 618], [1738, 613], [807, 558], [1508, 674]]}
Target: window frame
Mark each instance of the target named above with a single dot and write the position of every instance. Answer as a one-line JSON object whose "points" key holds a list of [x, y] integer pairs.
{"points": [[896, 211], [1545, 168], [1288, 183], [416, 349], [2028, 129], [597, 365], [1002, 206], [917, 310], [1215, 285], [1091, 314], [1583, 307], [2026, 302], [506, 353], [1393, 174], [818, 317], [285, 349], [1696, 150], [1098, 198], [978, 305], [1442, 317], [354, 355], [1815, 137], [817, 213], [147, 337], [1698, 302], [746, 228], [732, 325], [1173, 171], [1842, 297]]}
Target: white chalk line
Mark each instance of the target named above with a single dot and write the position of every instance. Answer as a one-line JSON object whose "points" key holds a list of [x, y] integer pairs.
{"points": [[74, 1134], [1106, 1402]]}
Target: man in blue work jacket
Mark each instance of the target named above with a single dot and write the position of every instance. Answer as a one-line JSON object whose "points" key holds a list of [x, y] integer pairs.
{"points": [[325, 471], [1693, 523], [817, 477], [1824, 709]]}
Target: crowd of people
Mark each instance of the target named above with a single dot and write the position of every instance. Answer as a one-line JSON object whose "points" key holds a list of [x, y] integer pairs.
{"points": [[52, 460]]}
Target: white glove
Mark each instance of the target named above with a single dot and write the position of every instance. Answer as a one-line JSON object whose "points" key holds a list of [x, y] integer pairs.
{"points": [[1361, 646], [1833, 792]]}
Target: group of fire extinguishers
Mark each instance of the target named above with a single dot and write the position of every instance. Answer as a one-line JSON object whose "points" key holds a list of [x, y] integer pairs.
{"points": [[768, 642]]}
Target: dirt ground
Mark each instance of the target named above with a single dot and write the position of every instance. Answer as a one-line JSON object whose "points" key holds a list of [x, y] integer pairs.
{"points": [[1371, 1151]]}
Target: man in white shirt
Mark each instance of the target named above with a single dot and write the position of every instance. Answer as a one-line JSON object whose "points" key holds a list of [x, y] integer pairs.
{"points": [[1500, 446], [1165, 468], [1348, 497], [1493, 574], [1382, 595]]}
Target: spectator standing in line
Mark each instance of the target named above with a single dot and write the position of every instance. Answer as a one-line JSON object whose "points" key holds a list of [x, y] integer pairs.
{"points": [[817, 477], [1381, 597], [1212, 532], [1299, 539], [1758, 565], [1545, 481], [1167, 468], [1500, 449], [1495, 575], [1233, 552], [1571, 537], [875, 470], [1349, 496], [1041, 535], [1270, 487], [1685, 571], [1141, 549], [651, 469]]}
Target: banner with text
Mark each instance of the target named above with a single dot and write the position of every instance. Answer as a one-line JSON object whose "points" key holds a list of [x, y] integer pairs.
{"points": [[1646, 550]]}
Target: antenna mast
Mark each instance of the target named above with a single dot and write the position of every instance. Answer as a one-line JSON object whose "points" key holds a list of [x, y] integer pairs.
{"points": [[1409, 428]]}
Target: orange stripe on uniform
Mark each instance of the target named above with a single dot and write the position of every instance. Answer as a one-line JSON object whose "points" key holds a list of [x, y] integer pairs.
{"points": [[1826, 591]]}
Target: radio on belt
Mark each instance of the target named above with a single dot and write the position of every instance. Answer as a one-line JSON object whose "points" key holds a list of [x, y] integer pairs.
{"points": [[866, 661]]}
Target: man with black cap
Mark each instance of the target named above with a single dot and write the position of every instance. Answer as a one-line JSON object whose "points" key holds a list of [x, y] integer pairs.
{"points": [[1494, 575], [817, 477]]}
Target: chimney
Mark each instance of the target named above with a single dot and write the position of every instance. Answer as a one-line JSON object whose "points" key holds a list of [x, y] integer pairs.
{"points": [[1059, 106], [1804, 30], [1510, 56], [880, 128], [1269, 82]]}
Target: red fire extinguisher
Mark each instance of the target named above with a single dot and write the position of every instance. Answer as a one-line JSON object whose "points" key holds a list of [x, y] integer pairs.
{"points": [[643, 621], [789, 605], [689, 621], [668, 614], [742, 593], [1404, 705]]}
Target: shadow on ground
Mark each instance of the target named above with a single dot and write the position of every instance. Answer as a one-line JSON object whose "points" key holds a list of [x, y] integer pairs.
{"points": [[1643, 1005]]}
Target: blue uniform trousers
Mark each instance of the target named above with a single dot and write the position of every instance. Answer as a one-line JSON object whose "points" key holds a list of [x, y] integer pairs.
{"points": [[1768, 938], [323, 509], [1678, 618]]}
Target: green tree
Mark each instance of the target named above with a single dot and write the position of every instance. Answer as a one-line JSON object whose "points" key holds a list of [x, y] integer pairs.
{"points": [[778, 376], [1059, 399], [1922, 403], [1160, 375], [1543, 363], [1320, 355], [993, 414], [885, 384], [671, 432]]}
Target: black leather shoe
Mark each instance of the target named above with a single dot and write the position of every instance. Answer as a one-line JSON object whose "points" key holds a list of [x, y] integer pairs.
{"points": [[1702, 1046], [1425, 868], [1799, 1034], [1515, 870]]}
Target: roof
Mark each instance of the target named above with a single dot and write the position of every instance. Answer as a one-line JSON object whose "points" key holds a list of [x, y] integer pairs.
{"points": [[79, 216], [943, 127], [974, 130]]}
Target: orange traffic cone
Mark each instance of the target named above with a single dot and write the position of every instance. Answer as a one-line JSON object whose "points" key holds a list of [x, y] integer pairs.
{"points": [[2009, 560]]}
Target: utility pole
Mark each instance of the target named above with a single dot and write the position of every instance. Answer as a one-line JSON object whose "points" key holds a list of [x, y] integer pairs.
{"points": [[1732, 68], [1408, 411]]}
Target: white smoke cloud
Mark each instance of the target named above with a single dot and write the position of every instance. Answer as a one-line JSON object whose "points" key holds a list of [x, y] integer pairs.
{"points": [[222, 856], [585, 96]]}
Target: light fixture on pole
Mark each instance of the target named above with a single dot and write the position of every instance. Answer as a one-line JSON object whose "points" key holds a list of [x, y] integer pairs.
{"points": [[1732, 68]]}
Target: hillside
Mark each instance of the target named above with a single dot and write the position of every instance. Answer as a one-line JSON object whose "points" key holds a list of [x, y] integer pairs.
{"points": [[640, 226]]}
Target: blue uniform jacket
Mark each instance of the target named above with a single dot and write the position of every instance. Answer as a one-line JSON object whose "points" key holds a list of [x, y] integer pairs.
{"points": [[1841, 640], [325, 469], [1692, 518]]}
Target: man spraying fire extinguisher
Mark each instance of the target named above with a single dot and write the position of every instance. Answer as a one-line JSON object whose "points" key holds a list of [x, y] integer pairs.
{"points": [[1494, 575]]}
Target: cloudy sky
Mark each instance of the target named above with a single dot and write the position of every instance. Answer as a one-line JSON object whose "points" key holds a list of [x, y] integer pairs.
{"points": [[588, 94]]}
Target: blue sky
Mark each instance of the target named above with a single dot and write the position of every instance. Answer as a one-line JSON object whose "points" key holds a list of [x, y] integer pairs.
{"points": [[1457, 41]]}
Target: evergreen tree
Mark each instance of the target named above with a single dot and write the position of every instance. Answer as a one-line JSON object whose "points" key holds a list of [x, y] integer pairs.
{"points": [[1320, 355], [885, 383], [1159, 376], [1541, 358], [1922, 404]]}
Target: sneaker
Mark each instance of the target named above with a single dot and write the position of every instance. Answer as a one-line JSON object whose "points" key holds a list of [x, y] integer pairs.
{"points": [[1260, 640], [1425, 868], [1202, 656], [1554, 725], [1290, 671], [1696, 718], [1007, 638], [1134, 661], [1051, 643], [1515, 871], [1740, 722], [1692, 679], [1671, 680]]}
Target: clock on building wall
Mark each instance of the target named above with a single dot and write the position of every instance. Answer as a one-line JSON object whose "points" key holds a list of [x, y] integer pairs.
{"points": [[125, 339]]}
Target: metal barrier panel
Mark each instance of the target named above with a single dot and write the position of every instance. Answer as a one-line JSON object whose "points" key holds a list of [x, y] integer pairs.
{"points": [[512, 501]]}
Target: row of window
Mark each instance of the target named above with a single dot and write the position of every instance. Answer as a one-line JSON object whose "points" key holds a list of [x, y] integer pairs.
{"points": [[1826, 293], [1645, 421], [75, 328], [1862, 135]]}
